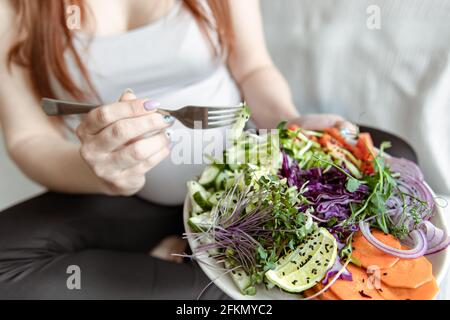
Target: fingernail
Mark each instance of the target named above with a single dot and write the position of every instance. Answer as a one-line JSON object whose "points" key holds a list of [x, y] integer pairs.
{"points": [[169, 134], [151, 105], [345, 132], [168, 119], [128, 90]]}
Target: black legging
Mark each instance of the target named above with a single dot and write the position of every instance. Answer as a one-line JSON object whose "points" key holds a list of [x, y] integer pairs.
{"points": [[107, 238]]}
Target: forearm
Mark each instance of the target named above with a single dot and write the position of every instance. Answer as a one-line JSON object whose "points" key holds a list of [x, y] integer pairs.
{"points": [[268, 95], [56, 164]]}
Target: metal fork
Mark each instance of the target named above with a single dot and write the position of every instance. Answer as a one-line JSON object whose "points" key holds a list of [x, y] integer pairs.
{"points": [[194, 117]]}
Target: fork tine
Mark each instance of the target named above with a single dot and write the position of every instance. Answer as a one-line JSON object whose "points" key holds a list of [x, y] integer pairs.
{"points": [[219, 111], [223, 117], [218, 124]]}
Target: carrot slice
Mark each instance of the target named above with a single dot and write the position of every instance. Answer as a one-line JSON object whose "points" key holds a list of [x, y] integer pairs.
{"points": [[426, 291], [326, 295], [325, 140], [309, 293], [334, 132], [293, 127], [369, 256], [365, 145], [360, 288], [408, 273]]}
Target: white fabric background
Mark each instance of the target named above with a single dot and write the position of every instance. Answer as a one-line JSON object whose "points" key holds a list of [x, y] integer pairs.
{"points": [[396, 78]]}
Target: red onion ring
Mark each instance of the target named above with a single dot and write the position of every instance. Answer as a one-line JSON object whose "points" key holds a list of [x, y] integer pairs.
{"points": [[405, 167], [439, 247], [418, 236], [436, 237]]}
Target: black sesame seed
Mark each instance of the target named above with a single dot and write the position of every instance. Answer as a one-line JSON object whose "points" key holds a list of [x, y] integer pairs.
{"points": [[364, 295]]}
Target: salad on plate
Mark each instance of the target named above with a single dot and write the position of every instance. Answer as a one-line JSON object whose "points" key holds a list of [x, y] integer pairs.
{"points": [[317, 215]]}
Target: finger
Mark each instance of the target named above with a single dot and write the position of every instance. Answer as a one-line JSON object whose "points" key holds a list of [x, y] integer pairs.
{"points": [[127, 95], [126, 130], [102, 117], [150, 163], [347, 128], [140, 151], [319, 122]]}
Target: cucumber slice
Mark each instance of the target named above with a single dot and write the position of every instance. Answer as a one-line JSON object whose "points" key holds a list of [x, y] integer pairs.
{"points": [[241, 279], [215, 198], [209, 176], [220, 180], [203, 202], [235, 156], [207, 240], [193, 188], [200, 222], [234, 167], [229, 182]]}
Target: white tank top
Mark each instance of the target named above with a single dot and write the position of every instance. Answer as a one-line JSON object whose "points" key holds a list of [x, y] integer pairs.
{"points": [[169, 61]]}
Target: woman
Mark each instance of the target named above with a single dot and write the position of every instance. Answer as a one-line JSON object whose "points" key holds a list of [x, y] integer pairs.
{"points": [[175, 52]]}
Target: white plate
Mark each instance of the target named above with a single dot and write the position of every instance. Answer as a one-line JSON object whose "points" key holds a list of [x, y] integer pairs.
{"points": [[440, 262]]}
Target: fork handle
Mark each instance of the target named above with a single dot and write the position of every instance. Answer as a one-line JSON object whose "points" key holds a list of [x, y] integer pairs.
{"points": [[53, 107]]}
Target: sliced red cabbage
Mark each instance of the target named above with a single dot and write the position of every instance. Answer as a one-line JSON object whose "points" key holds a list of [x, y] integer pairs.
{"points": [[345, 274]]}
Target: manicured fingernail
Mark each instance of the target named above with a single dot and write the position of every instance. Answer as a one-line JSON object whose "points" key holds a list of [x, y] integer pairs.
{"points": [[168, 119], [151, 105], [128, 90], [345, 132]]}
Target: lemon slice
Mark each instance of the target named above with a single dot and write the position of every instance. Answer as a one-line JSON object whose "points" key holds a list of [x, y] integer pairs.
{"points": [[307, 265]]}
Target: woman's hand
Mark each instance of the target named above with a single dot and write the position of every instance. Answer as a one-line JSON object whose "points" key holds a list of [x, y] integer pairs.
{"points": [[115, 144], [320, 122]]}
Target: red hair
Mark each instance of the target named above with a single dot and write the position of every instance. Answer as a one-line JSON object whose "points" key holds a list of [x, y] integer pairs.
{"points": [[44, 39]]}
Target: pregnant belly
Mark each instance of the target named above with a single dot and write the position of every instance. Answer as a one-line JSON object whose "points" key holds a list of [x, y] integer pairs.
{"points": [[166, 183]]}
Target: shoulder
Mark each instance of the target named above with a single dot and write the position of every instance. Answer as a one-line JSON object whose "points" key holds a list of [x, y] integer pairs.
{"points": [[6, 15], [7, 26], [239, 7]]}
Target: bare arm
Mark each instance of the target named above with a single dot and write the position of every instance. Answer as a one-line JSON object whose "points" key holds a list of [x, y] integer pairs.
{"points": [[34, 141], [264, 88], [37, 145]]}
